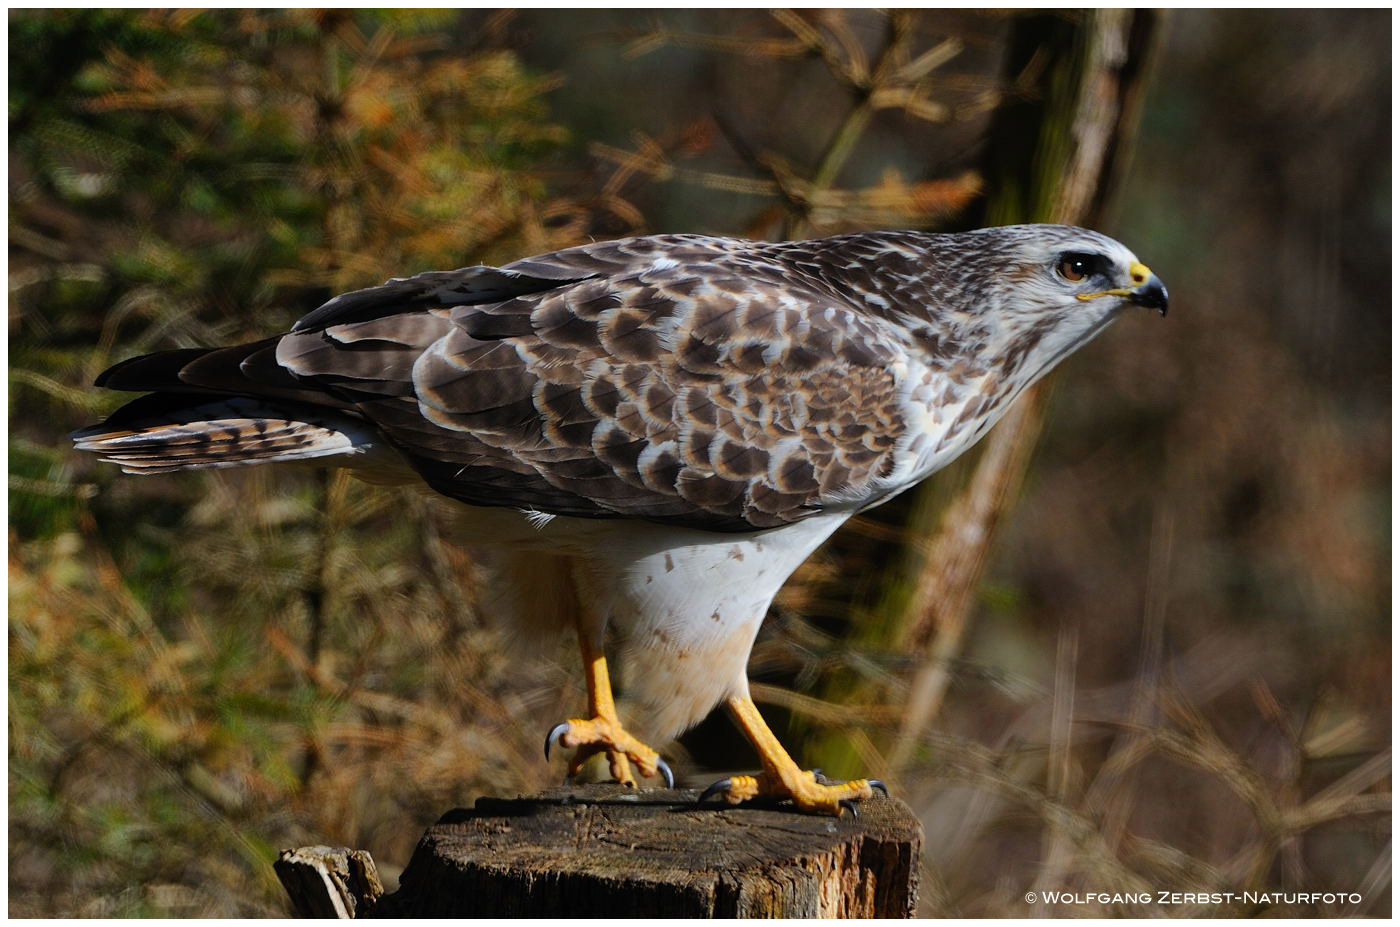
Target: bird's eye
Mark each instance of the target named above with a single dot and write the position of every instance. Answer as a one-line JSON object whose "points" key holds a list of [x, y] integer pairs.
{"points": [[1075, 267]]}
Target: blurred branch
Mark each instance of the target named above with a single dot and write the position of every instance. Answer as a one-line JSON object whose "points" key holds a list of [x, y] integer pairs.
{"points": [[822, 711], [1196, 744], [843, 140], [935, 620], [894, 82], [841, 54], [441, 722], [651, 161], [660, 36], [1082, 112], [1346, 791], [893, 198]]}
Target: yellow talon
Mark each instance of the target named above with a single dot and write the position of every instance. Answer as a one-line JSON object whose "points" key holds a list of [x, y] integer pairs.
{"points": [[596, 735], [741, 789], [781, 777], [604, 732]]}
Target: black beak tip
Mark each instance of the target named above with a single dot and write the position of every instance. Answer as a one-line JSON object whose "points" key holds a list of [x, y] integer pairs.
{"points": [[1152, 295]]}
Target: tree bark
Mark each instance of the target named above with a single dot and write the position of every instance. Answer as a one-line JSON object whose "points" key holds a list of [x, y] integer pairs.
{"points": [[610, 851], [329, 882]]}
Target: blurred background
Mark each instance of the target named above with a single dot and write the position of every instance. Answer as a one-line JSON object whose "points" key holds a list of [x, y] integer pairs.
{"points": [[1171, 667]]}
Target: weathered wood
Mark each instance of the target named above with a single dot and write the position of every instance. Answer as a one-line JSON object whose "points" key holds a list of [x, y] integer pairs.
{"points": [[330, 882], [609, 851]]}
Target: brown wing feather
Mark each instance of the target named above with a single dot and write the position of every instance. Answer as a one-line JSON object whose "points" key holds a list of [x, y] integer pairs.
{"points": [[719, 388]]}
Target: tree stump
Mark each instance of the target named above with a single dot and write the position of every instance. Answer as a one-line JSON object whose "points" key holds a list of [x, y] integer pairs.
{"points": [[609, 851], [329, 882]]}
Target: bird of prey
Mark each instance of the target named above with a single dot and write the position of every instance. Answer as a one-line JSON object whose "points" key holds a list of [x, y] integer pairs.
{"points": [[653, 432]]}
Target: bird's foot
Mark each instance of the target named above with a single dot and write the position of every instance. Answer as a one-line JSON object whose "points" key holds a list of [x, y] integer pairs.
{"points": [[599, 735], [808, 790]]}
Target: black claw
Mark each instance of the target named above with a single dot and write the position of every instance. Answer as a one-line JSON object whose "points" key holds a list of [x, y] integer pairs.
{"points": [[720, 786], [877, 784], [554, 734], [665, 771], [847, 805]]}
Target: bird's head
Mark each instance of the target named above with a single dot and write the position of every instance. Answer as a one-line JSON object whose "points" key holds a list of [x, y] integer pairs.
{"points": [[1044, 290], [1062, 269]]}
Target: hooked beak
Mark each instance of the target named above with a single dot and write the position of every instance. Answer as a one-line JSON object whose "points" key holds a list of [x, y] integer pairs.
{"points": [[1150, 293]]}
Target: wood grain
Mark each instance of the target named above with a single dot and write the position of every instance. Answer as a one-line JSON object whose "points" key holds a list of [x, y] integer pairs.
{"points": [[605, 850]]}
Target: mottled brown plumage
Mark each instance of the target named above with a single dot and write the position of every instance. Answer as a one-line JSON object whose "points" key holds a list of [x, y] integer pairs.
{"points": [[676, 378]]}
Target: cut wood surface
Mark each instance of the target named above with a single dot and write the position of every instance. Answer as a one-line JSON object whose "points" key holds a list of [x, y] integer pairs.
{"points": [[609, 851]]}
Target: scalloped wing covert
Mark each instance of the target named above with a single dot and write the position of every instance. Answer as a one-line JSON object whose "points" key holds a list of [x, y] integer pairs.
{"points": [[690, 380]]}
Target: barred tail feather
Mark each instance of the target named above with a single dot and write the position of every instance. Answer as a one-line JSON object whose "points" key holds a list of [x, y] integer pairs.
{"points": [[166, 432]]}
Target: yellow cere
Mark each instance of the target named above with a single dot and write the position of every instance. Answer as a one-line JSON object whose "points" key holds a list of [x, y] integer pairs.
{"points": [[1137, 270]]}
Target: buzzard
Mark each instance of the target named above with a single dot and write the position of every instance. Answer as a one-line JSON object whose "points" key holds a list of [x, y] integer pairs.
{"points": [[653, 432]]}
